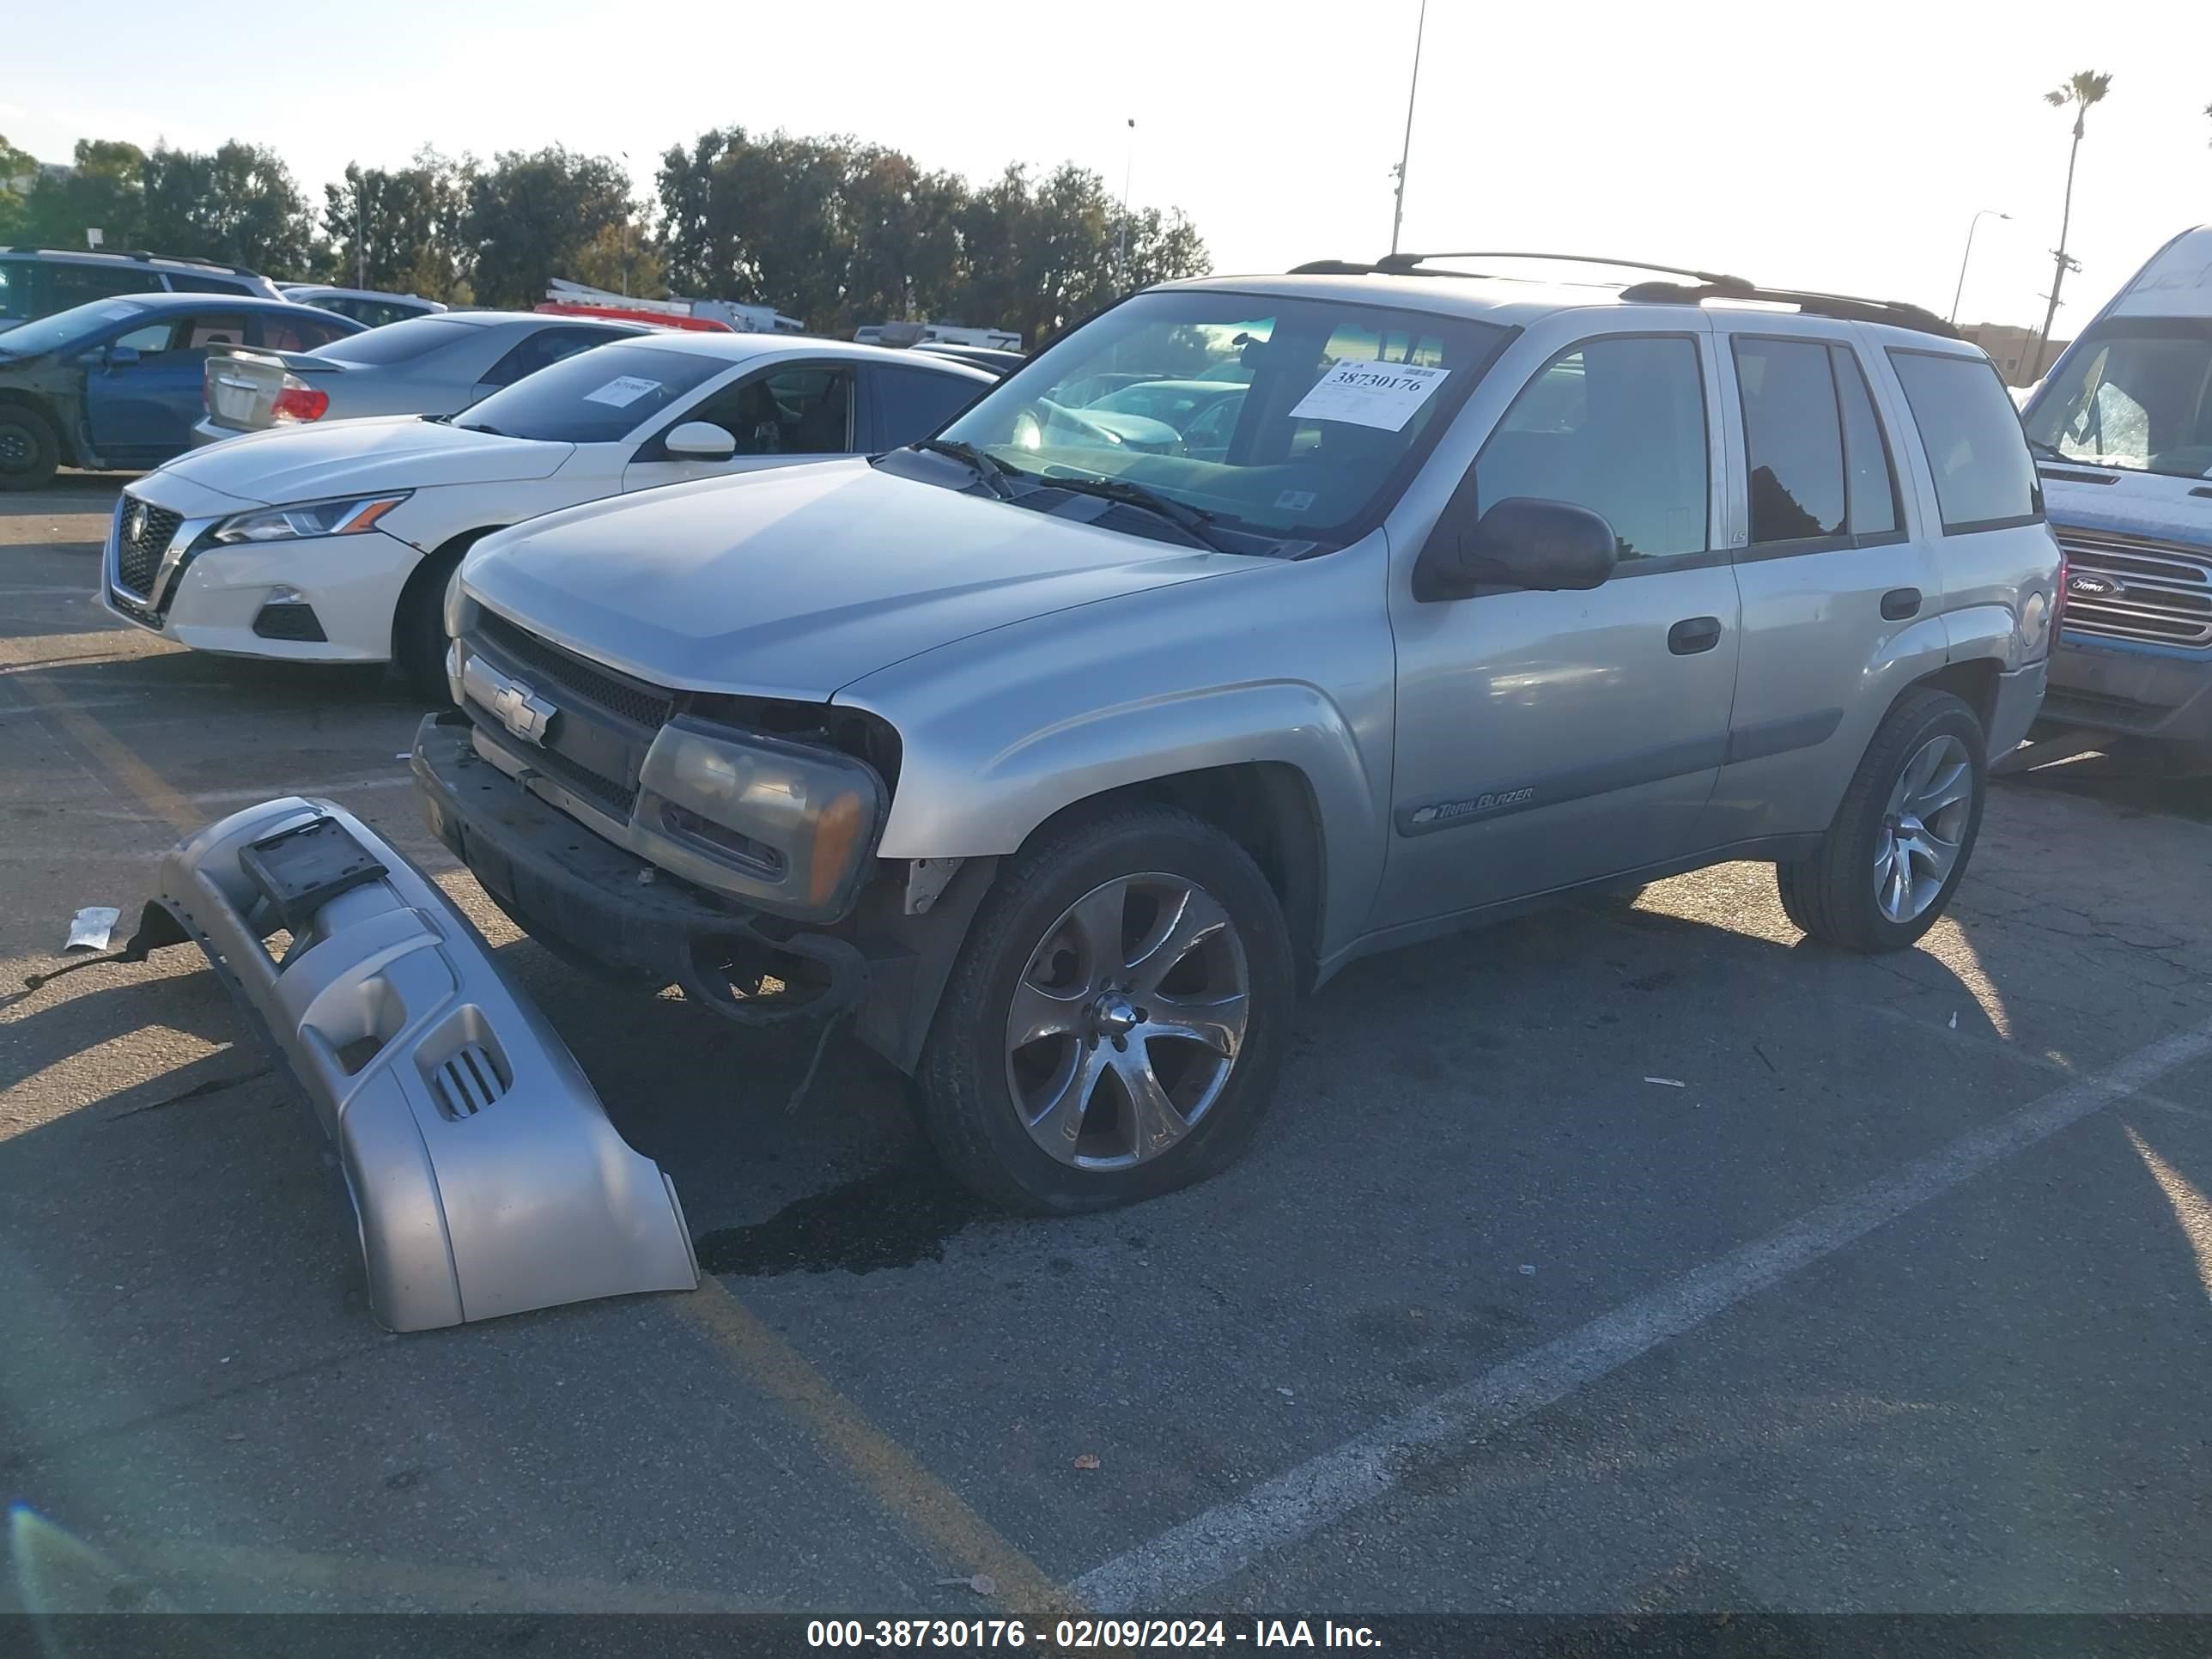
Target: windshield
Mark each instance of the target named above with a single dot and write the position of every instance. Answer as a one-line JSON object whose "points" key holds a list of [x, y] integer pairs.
{"points": [[2136, 392], [398, 343], [1290, 419], [68, 328], [595, 397]]}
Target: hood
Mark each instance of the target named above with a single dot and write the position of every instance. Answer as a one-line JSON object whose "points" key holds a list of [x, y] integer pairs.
{"points": [[2149, 505], [794, 583], [398, 452]]}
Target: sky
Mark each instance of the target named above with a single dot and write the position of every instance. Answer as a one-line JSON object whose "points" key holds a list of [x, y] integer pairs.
{"points": [[1838, 148]]}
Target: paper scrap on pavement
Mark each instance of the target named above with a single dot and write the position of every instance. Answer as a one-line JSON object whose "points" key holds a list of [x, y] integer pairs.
{"points": [[622, 390], [90, 927], [1366, 392], [1667, 1082]]}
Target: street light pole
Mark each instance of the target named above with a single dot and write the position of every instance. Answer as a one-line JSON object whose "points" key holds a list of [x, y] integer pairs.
{"points": [[1405, 155], [1972, 225], [1129, 170]]}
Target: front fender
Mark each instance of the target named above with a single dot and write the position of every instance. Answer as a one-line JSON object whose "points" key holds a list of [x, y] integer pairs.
{"points": [[1291, 665]]}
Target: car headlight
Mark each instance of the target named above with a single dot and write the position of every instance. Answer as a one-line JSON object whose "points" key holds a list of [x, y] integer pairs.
{"points": [[788, 824], [347, 517]]}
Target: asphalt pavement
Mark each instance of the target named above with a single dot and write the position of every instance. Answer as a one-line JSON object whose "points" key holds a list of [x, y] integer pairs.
{"points": [[1618, 1259]]}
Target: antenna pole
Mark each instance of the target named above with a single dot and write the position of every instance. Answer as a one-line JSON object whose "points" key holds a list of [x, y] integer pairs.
{"points": [[1405, 155]]}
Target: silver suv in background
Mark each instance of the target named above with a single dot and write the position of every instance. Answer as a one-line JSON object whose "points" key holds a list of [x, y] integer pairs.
{"points": [[435, 365], [1065, 753], [38, 281]]}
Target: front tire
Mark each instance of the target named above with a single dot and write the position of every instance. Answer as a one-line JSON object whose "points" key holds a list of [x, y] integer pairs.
{"points": [[1889, 863], [418, 630], [29, 450], [1114, 1025]]}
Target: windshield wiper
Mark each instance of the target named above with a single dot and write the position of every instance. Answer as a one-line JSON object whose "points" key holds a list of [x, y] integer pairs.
{"points": [[478, 426], [989, 468], [1195, 522], [2037, 447]]}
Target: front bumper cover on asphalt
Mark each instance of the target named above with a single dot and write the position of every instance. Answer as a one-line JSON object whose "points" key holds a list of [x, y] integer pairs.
{"points": [[483, 1174]]}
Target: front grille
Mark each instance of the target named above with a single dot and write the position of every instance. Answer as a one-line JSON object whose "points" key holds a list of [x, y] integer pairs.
{"points": [[611, 796], [137, 558], [634, 701], [2163, 590]]}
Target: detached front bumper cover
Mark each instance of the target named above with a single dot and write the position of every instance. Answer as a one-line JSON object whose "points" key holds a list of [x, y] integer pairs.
{"points": [[483, 1174]]}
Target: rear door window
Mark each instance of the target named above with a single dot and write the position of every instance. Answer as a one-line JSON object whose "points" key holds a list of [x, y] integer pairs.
{"points": [[182, 282], [69, 284], [305, 333], [1871, 480], [1985, 476], [1793, 439]]}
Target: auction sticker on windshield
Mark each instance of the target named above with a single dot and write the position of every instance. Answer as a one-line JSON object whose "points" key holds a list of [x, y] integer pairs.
{"points": [[1365, 393], [622, 392]]}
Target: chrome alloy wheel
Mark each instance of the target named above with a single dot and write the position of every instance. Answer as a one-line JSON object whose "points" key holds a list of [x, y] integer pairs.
{"points": [[1923, 828], [1126, 1021]]}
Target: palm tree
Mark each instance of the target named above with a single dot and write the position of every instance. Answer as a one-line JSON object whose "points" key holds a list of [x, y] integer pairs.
{"points": [[2084, 89]]}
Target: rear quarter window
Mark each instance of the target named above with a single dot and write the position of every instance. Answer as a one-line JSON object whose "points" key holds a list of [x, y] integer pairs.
{"points": [[1985, 476], [398, 343]]}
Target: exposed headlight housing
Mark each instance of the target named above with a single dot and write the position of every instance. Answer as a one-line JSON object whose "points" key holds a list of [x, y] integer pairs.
{"points": [[348, 515], [789, 825]]}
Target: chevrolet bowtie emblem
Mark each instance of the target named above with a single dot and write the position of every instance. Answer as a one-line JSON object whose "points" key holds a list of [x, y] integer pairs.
{"points": [[523, 712]]}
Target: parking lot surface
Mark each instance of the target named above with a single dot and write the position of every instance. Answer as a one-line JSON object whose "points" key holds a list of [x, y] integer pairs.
{"points": [[1618, 1259]]}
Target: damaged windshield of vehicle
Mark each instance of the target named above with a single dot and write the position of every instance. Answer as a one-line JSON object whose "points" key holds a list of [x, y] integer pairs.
{"points": [[2136, 393], [1228, 419]]}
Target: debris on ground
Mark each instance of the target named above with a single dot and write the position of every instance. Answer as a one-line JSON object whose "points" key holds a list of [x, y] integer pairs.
{"points": [[1087, 1461], [1527, 1270], [90, 927], [1667, 1082], [1954, 1019], [982, 1582]]}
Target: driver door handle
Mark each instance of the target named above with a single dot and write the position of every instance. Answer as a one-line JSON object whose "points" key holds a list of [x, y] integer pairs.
{"points": [[1693, 635]]}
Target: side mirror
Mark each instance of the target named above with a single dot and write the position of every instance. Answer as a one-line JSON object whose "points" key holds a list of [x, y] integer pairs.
{"points": [[119, 356], [1520, 542], [699, 440]]}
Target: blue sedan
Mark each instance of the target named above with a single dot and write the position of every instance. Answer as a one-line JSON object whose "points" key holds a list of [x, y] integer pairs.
{"points": [[116, 383]]}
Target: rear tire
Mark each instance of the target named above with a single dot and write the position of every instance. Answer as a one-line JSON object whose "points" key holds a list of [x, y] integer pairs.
{"points": [[1916, 805], [29, 449], [1150, 955]]}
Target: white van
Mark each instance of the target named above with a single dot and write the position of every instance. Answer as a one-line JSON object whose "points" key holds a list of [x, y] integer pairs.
{"points": [[2122, 431]]}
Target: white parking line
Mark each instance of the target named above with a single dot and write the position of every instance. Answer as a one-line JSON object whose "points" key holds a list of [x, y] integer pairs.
{"points": [[1209, 1547]]}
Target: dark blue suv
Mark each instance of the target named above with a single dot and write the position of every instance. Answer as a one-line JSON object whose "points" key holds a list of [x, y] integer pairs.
{"points": [[117, 383]]}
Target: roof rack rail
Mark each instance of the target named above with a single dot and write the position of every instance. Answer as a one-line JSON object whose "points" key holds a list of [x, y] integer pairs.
{"points": [[145, 256], [1897, 313], [1706, 285], [142, 255]]}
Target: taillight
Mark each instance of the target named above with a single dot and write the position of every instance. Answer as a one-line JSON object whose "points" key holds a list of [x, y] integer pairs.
{"points": [[297, 401]]}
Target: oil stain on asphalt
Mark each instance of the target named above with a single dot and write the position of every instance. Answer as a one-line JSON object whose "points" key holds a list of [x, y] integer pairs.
{"points": [[892, 1218]]}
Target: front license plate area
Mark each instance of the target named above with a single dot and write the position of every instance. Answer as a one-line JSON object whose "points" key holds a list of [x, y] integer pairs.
{"points": [[301, 869]]}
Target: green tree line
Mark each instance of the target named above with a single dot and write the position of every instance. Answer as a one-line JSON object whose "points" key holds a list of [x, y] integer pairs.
{"points": [[831, 230]]}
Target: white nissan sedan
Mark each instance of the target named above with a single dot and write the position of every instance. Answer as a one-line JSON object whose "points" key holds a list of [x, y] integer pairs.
{"points": [[336, 544]]}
